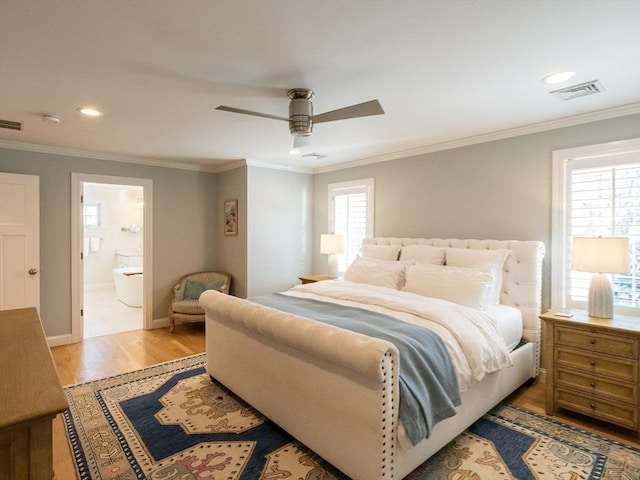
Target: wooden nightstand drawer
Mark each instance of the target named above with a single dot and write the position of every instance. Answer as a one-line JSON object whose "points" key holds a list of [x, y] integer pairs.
{"points": [[593, 366], [601, 386], [597, 342], [605, 365], [621, 414]]}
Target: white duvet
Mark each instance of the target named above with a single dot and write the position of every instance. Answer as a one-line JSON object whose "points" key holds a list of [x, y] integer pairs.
{"points": [[474, 344]]}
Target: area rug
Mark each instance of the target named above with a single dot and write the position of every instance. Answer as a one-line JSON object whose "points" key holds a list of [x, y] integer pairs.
{"points": [[172, 421]]}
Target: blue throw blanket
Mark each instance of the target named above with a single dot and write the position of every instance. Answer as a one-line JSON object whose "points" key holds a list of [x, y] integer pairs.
{"points": [[428, 385]]}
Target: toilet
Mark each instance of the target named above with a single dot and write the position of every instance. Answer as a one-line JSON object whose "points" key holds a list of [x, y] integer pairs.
{"points": [[128, 282]]}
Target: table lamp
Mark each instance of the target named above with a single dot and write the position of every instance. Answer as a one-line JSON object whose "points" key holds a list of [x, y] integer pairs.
{"points": [[330, 245], [600, 255]]}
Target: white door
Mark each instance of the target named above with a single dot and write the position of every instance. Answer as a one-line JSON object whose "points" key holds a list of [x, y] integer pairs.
{"points": [[19, 241]]}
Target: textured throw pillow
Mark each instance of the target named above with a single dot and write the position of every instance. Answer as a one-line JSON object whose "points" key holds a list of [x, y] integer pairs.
{"points": [[464, 286], [489, 260], [381, 252], [423, 253], [376, 272], [193, 289]]}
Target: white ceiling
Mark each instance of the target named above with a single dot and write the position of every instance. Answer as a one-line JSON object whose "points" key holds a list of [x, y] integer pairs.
{"points": [[445, 72]]}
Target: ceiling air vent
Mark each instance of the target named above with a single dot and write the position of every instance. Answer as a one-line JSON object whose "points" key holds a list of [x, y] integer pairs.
{"points": [[9, 125], [314, 156], [582, 90]]}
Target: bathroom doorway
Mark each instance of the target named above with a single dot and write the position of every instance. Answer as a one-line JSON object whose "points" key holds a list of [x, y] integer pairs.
{"points": [[112, 238]]}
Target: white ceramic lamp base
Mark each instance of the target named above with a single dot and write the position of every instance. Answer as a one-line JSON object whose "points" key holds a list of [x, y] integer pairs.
{"points": [[332, 269], [600, 297]]}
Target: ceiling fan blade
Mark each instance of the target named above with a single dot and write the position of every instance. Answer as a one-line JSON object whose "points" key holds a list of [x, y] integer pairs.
{"points": [[365, 109], [249, 112]]}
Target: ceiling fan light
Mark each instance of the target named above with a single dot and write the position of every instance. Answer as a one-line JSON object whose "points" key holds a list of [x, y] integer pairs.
{"points": [[300, 142]]}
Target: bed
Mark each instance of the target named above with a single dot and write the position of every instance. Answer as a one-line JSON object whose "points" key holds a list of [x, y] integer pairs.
{"points": [[338, 391]]}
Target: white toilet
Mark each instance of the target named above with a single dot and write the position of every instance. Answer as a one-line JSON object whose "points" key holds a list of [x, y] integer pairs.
{"points": [[128, 282]]}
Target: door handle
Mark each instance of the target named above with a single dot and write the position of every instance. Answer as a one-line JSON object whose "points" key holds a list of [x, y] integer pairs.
{"points": [[33, 271]]}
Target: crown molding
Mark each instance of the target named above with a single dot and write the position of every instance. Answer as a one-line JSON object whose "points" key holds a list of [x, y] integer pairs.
{"points": [[153, 162], [622, 111], [273, 166], [79, 153], [607, 114]]}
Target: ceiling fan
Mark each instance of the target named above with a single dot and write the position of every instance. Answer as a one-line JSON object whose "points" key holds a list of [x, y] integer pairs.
{"points": [[301, 117]]}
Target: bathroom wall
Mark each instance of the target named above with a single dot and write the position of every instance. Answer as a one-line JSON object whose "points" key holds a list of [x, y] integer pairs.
{"points": [[121, 229]]}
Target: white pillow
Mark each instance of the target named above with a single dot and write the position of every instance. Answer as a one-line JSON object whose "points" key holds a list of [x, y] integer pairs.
{"points": [[376, 272], [464, 286], [423, 253], [381, 252], [489, 260]]}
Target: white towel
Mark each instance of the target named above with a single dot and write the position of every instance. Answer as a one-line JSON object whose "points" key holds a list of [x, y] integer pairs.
{"points": [[94, 244]]}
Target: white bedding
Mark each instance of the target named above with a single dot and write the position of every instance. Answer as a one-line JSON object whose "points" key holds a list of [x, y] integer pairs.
{"points": [[471, 337], [509, 324]]}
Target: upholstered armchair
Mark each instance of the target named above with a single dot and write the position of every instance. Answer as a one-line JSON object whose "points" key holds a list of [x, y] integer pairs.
{"points": [[184, 300]]}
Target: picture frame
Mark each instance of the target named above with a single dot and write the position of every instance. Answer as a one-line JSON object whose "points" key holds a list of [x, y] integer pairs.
{"points": [[231, 217]]}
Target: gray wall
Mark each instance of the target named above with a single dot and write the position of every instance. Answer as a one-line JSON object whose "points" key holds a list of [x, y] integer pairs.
{"points": [[184, 220], [279, 229], [232, 250], [499, 189]]}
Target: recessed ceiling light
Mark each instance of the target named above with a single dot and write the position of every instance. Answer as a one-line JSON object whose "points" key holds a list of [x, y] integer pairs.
{"points": [[557, 77], [90, 112]]}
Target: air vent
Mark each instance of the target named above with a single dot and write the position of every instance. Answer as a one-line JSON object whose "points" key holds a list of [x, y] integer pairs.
{"points": [[314, 156], [9, 125], [582, 90]]}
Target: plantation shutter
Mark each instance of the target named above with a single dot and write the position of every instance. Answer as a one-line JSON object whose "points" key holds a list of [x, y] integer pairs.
{"points": [[351, 215], [604, 200]]}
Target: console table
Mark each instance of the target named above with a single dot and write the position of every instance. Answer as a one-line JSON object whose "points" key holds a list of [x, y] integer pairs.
{"points": [[30, 397]]}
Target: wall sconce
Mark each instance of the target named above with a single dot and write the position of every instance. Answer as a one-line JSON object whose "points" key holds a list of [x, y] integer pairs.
{"points": [[330, 245], [600, 255]]}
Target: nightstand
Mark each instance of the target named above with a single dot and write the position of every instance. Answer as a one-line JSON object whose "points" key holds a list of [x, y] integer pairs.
{"points": [[593, 366], [314, 278]]}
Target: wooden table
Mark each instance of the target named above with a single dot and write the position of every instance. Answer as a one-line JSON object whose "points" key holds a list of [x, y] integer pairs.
{"points": [[314, 278], [30, 397], [593, 366]]}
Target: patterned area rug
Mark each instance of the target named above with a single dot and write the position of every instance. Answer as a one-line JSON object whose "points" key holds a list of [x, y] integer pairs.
{"points": [[171, 421]]}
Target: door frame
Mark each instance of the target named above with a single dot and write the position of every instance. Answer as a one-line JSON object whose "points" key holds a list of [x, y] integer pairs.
{"points": [[77, 270]]}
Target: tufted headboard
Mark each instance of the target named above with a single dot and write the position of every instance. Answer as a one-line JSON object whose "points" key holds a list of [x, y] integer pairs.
{"points": [[521, 276]]}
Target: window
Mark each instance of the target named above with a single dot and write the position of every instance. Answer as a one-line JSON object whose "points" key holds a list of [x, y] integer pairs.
{"points": [[351, 215], [596, 192], [91, 215]]}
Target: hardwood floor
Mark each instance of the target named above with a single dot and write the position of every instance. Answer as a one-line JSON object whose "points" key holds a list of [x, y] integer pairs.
{"points": [[109, 355]]}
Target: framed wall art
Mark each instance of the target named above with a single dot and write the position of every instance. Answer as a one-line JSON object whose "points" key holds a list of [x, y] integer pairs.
{"points": [[231, 217]]}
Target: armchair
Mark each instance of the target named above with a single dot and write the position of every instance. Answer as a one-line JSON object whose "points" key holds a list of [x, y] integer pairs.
{"points": [[184, 300]]}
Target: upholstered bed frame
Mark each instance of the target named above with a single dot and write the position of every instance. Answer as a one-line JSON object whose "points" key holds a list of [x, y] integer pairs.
{"points": [[306, 377]]}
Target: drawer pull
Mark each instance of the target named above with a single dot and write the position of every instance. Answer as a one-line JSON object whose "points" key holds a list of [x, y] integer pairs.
{"points": [[592, 405], [592, 384], [592, 363], [592, 342]]}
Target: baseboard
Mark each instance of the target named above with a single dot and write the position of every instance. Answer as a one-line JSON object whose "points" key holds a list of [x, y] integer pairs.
{"points": [[59, 340], [160, 322]]}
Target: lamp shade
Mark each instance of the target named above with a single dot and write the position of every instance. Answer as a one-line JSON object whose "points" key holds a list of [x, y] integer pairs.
{"points": [[330, 244], [600, 254]]}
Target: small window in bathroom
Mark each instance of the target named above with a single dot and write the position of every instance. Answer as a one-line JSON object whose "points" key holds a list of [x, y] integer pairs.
{"points": [[91, 214]]}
